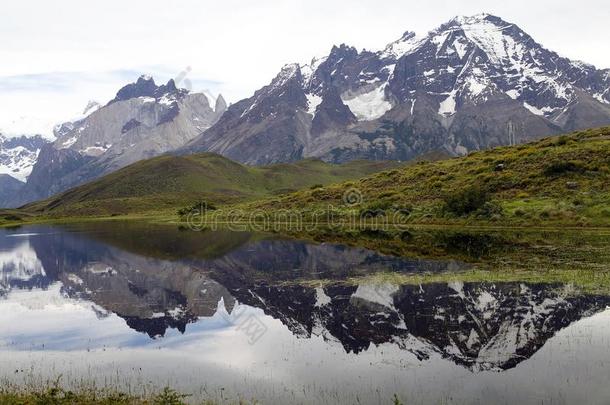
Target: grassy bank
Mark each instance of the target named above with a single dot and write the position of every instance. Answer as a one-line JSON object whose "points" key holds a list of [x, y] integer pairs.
{"points": [[558, 181], [563, 180], [170, 182]]}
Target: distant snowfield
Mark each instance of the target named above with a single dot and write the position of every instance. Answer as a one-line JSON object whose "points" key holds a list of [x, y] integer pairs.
{"points": [[18, 162]]}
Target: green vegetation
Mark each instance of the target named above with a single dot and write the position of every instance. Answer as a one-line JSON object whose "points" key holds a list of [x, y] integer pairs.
{"points": [[466, 202], [167, 183], [56, 395], [201, 206], [561, 180], [556, 181]]}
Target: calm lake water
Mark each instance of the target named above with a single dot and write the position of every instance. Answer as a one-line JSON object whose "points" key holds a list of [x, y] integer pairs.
{"points": [[227, 315]]}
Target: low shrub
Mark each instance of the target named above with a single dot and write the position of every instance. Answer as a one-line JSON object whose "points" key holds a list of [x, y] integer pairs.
{"points": [[519, 212], [466, 201], [376, 208], [559, 168]]}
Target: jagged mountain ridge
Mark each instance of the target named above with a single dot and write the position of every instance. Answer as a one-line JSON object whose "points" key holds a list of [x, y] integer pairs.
{"points": [[473, 83], [144, 120]]}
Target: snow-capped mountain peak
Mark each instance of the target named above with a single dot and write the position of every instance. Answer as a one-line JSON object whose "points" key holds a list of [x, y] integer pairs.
{"points": [[474, 82], [501, 41], [288, 72], [18, 155]]}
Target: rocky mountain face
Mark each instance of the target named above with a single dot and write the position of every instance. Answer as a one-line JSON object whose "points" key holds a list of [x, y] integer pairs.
{"points": [[9, 186], [143, 120], [472, 83], [18, 155]]}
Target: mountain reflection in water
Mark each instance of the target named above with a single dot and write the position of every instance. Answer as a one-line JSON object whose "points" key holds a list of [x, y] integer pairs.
{"points": [[160, 278]]}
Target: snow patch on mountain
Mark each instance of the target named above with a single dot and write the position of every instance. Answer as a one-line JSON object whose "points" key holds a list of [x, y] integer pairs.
{"points": [[307, 71], [369, 105], [461, 47], [489, 36], [538, 111], [447, 107], [288, 72], [167, 100], [313, 101], [321, 298], [97, 150], [408, 43], [600, 97], [382, 294], [476, 86]]}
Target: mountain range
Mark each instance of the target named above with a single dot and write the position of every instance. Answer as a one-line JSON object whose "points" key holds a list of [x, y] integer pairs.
{"points": [[144, 120], [472, 83]]}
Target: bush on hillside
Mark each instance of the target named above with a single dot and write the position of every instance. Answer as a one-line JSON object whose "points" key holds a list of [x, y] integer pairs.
{"points": [[562, 167], [376, 208], [466, 201]]}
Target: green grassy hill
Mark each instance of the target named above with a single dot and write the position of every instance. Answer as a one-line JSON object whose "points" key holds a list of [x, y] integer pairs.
{"points": [[563, 179], [170, 182]]}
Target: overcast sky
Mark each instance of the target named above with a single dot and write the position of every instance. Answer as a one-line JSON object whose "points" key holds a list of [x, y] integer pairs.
{"points": [[57, 55]]}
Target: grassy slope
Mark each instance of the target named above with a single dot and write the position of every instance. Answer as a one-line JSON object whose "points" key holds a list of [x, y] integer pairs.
{"points": [[168, 182], [561, 180]]}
